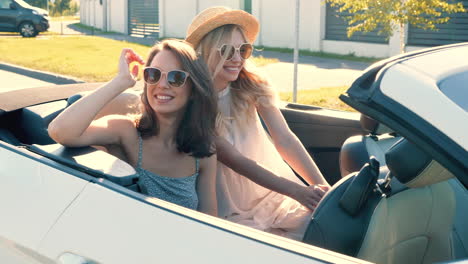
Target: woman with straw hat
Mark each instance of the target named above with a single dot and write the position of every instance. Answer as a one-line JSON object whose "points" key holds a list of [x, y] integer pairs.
{"points": [[224, 38]]}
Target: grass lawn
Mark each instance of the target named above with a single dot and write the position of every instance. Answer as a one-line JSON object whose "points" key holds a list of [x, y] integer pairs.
{"points": [[65, 18], [90, 58], [325, 97]]}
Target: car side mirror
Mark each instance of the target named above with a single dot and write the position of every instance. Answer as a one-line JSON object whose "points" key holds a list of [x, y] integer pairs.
{"points": [[12, 6]]}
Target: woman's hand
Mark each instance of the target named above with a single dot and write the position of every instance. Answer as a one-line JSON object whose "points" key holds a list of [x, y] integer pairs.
{"points": [[127, 77], [310, 196]]}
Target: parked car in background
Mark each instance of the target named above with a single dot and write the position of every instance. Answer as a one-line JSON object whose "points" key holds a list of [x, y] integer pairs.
{"points": [[406, 203], [19, 16]]}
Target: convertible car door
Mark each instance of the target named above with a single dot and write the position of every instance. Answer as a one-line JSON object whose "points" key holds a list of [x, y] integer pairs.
{"points": [[422, 95], [110, 224], [322, 132], [33, 195]]}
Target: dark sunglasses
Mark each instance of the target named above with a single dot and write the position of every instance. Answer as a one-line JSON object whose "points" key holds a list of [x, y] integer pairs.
{"points": [[227, 51], [175, 78]]}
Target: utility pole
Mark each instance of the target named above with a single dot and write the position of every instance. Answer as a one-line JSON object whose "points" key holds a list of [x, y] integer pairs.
{"points": [[296, 50]]}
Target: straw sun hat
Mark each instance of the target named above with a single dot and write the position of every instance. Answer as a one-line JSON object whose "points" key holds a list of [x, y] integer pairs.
{"points": [[215, 17]]}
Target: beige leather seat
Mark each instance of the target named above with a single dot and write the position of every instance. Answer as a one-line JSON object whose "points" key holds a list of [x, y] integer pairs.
{"points": [[409, 222], [414, 225]]}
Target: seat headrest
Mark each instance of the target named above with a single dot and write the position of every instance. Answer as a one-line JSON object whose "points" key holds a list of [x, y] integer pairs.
{"points": [[72, 99], [373, 127], [413, 167]]}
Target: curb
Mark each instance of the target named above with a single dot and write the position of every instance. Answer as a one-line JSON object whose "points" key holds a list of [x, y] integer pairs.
{"points": [[40, 75]]}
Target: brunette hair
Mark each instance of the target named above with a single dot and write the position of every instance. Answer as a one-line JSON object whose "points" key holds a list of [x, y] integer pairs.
{"points": [[196, 131]]}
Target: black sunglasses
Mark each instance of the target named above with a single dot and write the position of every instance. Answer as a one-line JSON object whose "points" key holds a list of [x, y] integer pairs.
{"points": [[175, 78], [227, 51]]}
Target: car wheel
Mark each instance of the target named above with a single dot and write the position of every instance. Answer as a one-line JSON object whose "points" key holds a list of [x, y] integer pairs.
{"points": [[27, 30]]}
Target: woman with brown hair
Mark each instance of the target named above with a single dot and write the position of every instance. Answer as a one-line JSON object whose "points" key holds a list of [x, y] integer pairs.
{"points": [[224, 38], [171, 143]]}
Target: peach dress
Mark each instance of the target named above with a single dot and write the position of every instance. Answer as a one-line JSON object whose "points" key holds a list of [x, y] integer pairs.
{"points": [[241, 200]]}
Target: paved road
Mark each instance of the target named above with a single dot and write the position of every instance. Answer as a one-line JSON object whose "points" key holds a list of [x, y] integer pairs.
{"points": [[309, 76], [14, 81], [15, 77], [67, 28]]}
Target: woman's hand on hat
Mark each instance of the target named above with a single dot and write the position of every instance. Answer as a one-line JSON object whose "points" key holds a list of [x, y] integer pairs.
{"points": [[310, 196], [125, 75]]}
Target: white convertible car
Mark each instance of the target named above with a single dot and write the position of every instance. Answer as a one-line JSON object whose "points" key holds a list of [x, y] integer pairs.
{"points": [[399, 169]]}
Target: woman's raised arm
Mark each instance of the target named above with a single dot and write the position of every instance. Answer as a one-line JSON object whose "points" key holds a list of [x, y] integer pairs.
{"points": [[74, 127]]}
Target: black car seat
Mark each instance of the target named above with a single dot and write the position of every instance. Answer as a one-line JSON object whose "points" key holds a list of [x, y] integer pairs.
{"points": [[357, 150], [7, 136], [405, 218]]}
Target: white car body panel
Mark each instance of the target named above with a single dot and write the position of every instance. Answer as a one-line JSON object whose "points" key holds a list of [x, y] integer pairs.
{"points": [[404, 84], [12, 253], [115, 221], [32, 196], [437, 64]]}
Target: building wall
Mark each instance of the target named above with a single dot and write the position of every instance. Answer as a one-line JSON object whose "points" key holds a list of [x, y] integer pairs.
{"points": [[277, 20], [276, 23], [98, 17], [281, 32], [174, 20], [111, 15], [117, 16]]}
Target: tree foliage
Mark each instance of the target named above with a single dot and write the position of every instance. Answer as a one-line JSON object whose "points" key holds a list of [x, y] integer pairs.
{"points": [[386, 16], [58, 8], [37, 3]]}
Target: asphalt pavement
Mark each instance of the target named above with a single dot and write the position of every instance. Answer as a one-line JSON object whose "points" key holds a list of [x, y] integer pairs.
{"points": [[313, 72]]}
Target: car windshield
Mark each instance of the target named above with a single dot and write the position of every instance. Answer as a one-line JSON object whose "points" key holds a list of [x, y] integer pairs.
{"points": [[23, 4], [454, 87]]}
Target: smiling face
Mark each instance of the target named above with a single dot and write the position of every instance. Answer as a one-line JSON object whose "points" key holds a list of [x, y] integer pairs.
{"points": [[230, 69], [163, 98]]}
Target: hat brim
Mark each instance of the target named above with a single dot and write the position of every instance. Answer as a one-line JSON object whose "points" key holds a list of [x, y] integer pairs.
{"points": [[246, 21]]}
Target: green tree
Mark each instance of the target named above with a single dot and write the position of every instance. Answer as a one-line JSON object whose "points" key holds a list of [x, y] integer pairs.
{"points": [[37, 3], [59, 7], [389, 15]]}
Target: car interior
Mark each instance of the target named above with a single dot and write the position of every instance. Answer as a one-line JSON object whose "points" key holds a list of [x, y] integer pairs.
{"points": [[391, 202], [394, 204], [27, 127]]}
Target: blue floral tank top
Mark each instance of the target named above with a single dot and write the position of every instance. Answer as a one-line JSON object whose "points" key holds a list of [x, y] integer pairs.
{"points": [[181, 191]]}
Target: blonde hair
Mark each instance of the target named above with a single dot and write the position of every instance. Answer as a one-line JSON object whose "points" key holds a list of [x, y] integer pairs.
{"points": [[250, 89]]}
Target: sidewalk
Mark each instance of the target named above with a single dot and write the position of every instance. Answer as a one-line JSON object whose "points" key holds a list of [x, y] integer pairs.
{"points": [[15, 77]]}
